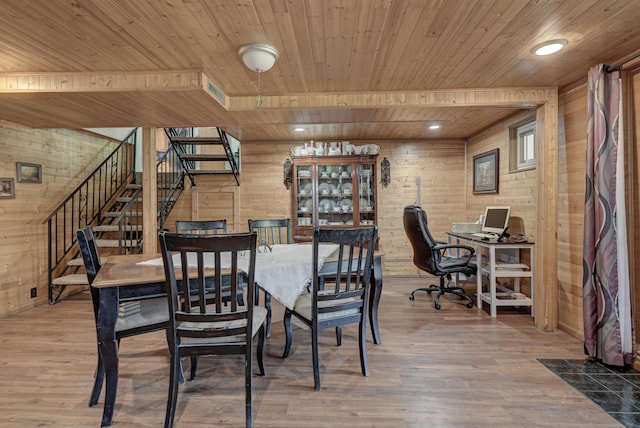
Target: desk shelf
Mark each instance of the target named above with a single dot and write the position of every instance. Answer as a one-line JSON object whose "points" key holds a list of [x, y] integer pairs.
{"points": [[492, 268]]}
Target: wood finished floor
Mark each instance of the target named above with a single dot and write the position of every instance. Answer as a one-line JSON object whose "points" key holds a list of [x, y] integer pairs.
{"points": [[455, 367]]}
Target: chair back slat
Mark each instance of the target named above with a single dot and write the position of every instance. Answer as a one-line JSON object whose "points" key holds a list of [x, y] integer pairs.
{"points": [[203, 256], [272, 231], [343, 285], [201, 227]]}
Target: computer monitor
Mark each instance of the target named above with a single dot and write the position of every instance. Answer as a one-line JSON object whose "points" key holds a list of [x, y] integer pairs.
{"points": [[496, 219]]}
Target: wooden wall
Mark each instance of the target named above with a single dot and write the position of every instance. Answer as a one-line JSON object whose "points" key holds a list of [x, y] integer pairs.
{"points": [[439, 165], [66, 157], [571, 185], [444, 170], [516, 189]]}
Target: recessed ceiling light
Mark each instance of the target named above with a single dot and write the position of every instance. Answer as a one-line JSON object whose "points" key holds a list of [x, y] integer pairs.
{"points": [[434, 127], [550, 47], [299, 129]]}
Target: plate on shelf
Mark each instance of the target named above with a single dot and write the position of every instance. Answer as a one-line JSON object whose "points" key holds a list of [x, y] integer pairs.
{"points": [[308, 203], [347, 202], [307, 188], [304, 172], [333, 189], [346, 188], [324, 188], [326, 205]]}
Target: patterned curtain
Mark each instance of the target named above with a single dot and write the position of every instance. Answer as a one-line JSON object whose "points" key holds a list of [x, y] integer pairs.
{"points": [[608, 326]]}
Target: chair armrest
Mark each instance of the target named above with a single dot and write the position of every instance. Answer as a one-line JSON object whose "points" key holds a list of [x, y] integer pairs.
{"points": [[444, 247]]}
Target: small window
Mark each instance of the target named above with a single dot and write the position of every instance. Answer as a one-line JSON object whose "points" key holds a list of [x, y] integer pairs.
{"points": [[522, 154]]}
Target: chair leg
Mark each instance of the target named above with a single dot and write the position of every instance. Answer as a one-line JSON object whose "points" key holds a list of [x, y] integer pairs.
{"points": [[260, 350], [248, 375], [362, 338], [288, 332], [194, 366], [267, 305], [316, 358], [429, 290], [339, 335], [173, 390], [97, 383]]}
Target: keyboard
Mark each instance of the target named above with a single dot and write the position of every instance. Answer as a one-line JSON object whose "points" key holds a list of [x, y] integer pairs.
{"points": [[485, 235]]}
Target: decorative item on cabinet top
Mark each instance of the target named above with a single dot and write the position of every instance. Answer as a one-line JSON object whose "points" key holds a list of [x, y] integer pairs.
{"points": [[286, 170], [334, 148]]}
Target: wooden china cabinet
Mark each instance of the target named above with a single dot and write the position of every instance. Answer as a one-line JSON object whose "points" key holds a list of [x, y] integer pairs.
{"points": [[333, 190]]}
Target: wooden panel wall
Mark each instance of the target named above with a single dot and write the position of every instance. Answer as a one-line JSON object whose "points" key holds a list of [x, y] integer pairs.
{"points": [[66, 157], [517, 189], [439, 165], [571, 185], [634, 195]]}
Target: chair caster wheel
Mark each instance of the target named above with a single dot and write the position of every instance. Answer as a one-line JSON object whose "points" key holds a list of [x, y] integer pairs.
{"points": [[469, 305], [429, 292], [411, 297], [437, 306]]}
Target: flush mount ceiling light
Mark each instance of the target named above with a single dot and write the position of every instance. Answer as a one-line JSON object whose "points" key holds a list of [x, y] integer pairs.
{"points": [[433, 127], [299, 129], [259, 58], [549, 47]]}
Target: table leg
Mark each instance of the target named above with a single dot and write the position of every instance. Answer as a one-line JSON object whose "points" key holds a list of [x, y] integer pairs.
{"points": [[374, 299], [108, 347], [479, 275]]}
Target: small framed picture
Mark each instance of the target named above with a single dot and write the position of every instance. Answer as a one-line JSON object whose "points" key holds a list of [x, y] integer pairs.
{"points": [[29, 172], [485, 172], [7, 188]]}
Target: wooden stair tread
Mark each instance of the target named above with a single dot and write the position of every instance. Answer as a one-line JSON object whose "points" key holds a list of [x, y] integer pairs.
{"points": [[73, 279], [209, 171], [80, 262], [118, 213], [114, 228], [115, 243], [196, 140], [203, 157]]}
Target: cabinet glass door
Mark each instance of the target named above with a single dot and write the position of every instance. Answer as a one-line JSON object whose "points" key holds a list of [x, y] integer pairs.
{"points": [[366, 185], [335, 194], [304, 184]]}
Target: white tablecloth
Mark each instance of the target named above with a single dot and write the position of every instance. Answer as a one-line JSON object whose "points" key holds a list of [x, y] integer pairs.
{"points": [[283, 272]]}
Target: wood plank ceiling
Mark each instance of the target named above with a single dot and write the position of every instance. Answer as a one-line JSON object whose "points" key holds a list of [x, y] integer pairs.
{"points": [[348, 69]]}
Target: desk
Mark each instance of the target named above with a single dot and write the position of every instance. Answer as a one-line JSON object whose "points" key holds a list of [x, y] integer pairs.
{"points": [[493, 268], [140, 275]]}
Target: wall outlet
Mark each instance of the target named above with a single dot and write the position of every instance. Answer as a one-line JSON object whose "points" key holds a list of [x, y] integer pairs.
{"points": [[34, 292]]}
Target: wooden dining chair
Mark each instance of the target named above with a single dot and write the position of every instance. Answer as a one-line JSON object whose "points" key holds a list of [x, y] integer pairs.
{"points": [[339, 295], [270, 232], [198, 327], [134, 316], [201, 227]]}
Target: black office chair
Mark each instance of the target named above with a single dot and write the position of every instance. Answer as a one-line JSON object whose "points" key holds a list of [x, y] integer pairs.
{"points": [[432, 256]]}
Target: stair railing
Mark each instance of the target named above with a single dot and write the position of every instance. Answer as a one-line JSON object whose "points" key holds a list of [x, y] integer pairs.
{"points": [[84, 206], [170, 178]]}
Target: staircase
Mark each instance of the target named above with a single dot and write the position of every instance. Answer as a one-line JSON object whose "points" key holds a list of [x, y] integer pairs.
{"points": [[110, 200], [204, 155]]}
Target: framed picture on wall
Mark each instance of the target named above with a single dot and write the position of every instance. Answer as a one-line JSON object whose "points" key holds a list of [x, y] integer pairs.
{"points": [[7, 188], [485, 172], [29, 172]]}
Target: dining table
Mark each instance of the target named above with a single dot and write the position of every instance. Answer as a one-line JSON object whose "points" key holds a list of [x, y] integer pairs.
{"points": [[283, 270]]}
